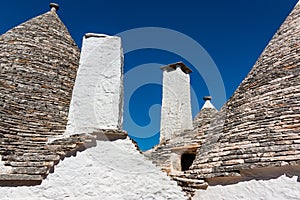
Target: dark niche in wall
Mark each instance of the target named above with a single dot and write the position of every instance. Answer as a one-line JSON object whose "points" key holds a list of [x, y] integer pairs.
{"points": [[187, 160]]}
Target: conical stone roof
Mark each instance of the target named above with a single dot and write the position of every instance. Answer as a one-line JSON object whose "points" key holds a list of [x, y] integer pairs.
{"points": [[186, 142], [38, 64], [204, 117], [260, 124]]}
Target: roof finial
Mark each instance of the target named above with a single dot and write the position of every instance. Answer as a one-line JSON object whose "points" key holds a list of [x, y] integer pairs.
{"points": [[54, 7], [206, 98], [207, 103]]}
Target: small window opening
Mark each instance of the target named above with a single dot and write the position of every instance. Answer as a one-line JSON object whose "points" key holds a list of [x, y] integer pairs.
{"points": [[187, 160]]}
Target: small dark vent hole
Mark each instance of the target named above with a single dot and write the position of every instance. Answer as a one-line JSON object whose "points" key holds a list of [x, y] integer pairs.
{"points": [[187, 160]]}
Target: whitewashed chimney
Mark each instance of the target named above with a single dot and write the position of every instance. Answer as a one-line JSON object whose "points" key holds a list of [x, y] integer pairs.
{"points": [[97, 100], [176, 113]]}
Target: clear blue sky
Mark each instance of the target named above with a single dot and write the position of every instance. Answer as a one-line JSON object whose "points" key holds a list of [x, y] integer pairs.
{"points": [[232, 32]]}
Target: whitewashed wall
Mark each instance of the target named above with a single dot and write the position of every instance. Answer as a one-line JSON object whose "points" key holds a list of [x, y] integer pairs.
{"points": [[282, 188], [109, 171], [176, 113], [4, 169], [97, 100]]}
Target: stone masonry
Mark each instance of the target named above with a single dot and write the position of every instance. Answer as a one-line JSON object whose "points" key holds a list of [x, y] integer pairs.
{"points": [[256, 133], [258, 128], [167, 155], [253, 142], [39, 60]]}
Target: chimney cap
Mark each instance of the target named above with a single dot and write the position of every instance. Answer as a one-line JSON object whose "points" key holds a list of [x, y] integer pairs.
{"points": [[54, 7], [180, 64], [88, 35], [207, 98]]}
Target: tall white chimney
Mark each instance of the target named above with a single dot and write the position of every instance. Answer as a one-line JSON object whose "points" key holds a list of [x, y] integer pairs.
{"points": [[176, 112], [97, 100]]}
